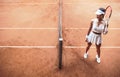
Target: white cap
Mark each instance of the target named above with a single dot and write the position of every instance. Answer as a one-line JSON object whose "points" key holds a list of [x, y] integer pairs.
{"points": [[99, 12]]}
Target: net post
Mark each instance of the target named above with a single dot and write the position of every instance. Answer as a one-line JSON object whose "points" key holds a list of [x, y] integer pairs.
{"points": [[60, 48], [60, 52]]}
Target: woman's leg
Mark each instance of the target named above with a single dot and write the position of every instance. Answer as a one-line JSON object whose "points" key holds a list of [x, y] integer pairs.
{"points": [[98, 49], [88, 47], [98, 53]]}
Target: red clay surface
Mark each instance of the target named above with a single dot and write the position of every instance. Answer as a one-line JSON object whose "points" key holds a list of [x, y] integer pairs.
{"points": [[35, 23]]}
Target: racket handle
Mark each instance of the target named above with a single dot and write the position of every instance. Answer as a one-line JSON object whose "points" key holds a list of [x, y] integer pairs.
{"points": [[105, 30]]}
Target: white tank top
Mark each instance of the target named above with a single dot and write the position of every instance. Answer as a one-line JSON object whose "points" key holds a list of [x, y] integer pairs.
{"points": [[96, 28]]}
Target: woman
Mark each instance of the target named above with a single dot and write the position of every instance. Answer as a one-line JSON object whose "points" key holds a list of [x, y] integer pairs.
{"points": [[97, 27]]}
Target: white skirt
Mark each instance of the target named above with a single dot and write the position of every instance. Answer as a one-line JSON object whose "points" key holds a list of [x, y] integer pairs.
{"points": [[94, 38]]}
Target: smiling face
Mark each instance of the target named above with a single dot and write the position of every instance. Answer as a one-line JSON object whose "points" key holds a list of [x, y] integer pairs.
{"points": [[100, 17]]}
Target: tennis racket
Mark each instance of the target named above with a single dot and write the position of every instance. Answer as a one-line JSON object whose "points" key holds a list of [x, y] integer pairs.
{"points": [[108, 14]]}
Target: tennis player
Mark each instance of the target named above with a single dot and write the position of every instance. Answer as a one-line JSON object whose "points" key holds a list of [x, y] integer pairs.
{"points": [[97, 28]]}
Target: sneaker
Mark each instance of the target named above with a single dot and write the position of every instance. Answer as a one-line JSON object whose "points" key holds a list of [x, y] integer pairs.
{"points": [[98, 60], [85, 55]]}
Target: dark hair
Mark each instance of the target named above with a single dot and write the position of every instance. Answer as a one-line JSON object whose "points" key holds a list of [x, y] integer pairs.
{"points": [[102, 9]]}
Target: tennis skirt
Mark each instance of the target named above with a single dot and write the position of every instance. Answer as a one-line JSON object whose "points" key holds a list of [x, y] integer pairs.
{"points": [[94, 38]]}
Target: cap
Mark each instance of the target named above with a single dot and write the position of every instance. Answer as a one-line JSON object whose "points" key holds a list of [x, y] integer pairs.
{"points": [[99, 12]]}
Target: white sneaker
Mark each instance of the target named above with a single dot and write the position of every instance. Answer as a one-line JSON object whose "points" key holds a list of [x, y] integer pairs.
{"points": [[98, 60], [85, 55]]}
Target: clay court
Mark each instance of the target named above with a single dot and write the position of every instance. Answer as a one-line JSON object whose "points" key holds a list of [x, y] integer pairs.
{"points": [[29, 39]]}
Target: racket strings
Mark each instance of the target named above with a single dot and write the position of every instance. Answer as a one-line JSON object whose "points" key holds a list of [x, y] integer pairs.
{"points": [[108, 12]]}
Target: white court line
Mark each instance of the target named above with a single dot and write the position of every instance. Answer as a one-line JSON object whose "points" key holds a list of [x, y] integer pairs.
{"points": [[50, 28], [32, 3], [76, 28], [28, 28], [91, 47], [88, 28], [27, 46], [85, 2], [56, 47]]}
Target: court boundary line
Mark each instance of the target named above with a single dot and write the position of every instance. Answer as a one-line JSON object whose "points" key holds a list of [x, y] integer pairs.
{"points": [[88, 28], [51, 28], [84, 2], [27, 3], [56, 47], [28, 28], [91, 47], [27, 46]]}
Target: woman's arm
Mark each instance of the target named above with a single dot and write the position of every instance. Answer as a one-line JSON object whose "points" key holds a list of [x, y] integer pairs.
{"points": [[90, 28], [91, 24], [105, 30]]}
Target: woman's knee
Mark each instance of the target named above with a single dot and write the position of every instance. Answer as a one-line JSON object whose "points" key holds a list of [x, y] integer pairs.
{"points": [[89, 44], [98, 46]]}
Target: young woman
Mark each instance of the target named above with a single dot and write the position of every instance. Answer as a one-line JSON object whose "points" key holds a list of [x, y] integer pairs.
{"points": [[97, 27]]}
